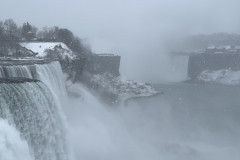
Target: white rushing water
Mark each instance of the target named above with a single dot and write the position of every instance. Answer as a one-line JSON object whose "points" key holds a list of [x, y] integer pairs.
{"points": [[12, 146], [50, 73], [23, 71], [34, 109]]}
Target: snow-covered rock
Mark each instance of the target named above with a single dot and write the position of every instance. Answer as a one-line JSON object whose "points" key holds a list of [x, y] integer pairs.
{"points": [[124, 89], [224, 76], [42, 48]]}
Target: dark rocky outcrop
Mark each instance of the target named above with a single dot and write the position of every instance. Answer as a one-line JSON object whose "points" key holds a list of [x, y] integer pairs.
{"points": [[14, 50], [17, 80], [12, 62], [74, 68], [103, 63]]}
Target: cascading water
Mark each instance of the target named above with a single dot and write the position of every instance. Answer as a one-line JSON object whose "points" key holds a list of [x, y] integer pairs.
{"points": [[33, 108], [23, 71], [180, 67], [50, 73]]}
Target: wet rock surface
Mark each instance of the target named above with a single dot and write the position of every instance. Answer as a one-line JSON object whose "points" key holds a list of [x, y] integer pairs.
{"points": [[12, 62], [17, 80]]}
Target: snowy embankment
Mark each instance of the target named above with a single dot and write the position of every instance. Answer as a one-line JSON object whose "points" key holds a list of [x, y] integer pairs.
{"points": [[42, 48], [224, 76], [124, 89]]}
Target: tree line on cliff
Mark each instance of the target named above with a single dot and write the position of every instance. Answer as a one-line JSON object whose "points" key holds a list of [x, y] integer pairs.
{"points": [[10, 32], [202, 41]]}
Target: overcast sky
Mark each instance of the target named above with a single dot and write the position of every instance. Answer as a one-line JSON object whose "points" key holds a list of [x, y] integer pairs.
{"points": [[130, 28]]}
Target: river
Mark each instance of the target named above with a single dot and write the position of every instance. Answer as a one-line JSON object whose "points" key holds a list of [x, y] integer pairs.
{"points": [[197, 121], [187, 122]]}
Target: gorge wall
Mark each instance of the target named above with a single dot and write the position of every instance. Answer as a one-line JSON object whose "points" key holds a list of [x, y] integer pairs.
{"points": [[102, 63], [201, 62]]}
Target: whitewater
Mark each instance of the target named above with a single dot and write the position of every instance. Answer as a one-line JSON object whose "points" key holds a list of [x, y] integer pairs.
{"points": [[33, 108]]}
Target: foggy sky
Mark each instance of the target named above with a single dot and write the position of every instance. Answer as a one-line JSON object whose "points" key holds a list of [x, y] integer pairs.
{"points": [[130, 28]]}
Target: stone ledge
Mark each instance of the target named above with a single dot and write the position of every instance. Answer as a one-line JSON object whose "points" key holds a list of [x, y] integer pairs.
{"points": [[17, 80], [12, 62]]}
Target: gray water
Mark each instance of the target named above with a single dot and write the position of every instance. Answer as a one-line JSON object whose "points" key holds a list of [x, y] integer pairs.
{"points": [[187, 122], [195, 121]]}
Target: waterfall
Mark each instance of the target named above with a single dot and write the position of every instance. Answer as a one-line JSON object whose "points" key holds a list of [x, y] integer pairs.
{"points": [[24, 71], [50, 73], [33, 108], [180, 67]]}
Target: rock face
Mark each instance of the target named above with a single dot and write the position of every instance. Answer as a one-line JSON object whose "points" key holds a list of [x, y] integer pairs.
{"points": [[14, 62], [114, 89], [15, 50], [103, 63], [223, 76], [74, 68], [213, 62], [17, 80]]}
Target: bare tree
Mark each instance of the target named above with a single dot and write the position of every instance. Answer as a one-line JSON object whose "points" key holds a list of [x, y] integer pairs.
{"points": [[10, 29], [1, 31]]}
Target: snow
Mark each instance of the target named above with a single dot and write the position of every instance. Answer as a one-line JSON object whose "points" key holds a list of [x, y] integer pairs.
{"points": [[224, 47], [125, 89], [211, 47], [41, 47], [224, 76]]}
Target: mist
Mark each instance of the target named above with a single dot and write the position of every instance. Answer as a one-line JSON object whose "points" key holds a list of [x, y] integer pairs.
{"points": [[159, 128], [142, 32]]}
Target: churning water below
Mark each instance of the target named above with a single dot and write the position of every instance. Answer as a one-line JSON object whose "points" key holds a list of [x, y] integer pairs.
{"points": [[187, 122]]}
